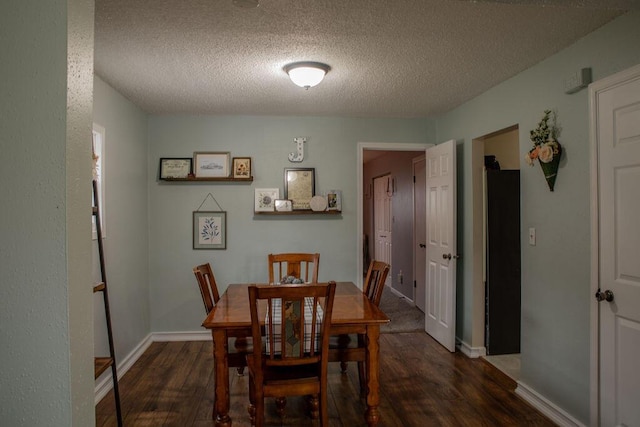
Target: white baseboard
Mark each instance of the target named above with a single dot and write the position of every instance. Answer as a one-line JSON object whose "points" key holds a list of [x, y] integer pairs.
{"points": [[104, 384], [181, 336], [471, 352], [548, 408]]}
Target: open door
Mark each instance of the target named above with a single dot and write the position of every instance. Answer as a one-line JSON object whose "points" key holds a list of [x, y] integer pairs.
{"points": [[441, 253]]}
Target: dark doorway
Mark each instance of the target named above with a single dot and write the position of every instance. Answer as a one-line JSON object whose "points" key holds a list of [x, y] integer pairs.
{"points": [[502, 334]]}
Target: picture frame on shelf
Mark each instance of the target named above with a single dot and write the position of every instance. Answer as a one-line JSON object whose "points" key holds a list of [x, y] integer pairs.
{"points": [[175, 167], [283, 205], [241, 167], [334, 200], [299, 187], [264, 199], [211, 164], [209, 230]]}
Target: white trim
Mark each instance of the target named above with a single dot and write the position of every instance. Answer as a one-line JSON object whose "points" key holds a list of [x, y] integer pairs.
{"points": [[471, 352], [548, 408], [181, 336], [379, 146], [604, 84], [104, 383]]}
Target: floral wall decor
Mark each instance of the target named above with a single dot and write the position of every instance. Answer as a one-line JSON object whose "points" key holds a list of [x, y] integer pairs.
{"points": [[546, 148]]}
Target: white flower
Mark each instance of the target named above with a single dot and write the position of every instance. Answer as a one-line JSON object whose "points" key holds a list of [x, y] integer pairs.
{"points": [[528, 159], [545, 154]]}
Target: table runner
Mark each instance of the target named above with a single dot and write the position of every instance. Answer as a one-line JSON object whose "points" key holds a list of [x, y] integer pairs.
{"points": [[292, 339]]}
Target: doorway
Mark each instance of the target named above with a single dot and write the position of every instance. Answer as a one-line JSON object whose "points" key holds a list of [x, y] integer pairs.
{"points": [[501, 272], [393, 159]]}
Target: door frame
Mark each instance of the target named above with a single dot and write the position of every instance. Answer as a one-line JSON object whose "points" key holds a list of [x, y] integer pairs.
{"points": [[376, 146], [594, 324]]}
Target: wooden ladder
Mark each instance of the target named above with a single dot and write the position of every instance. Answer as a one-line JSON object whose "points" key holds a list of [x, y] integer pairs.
{"points": [[103, 363]]}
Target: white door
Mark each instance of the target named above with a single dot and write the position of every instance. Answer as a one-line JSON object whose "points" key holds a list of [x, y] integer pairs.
{"points": [[616, 104], [382, 219], [441, 254], [419, 233]]}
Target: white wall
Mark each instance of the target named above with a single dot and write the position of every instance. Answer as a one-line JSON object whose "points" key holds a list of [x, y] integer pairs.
{"points": [[330, 148], [46, 357], [126, 242], [556, 293]]}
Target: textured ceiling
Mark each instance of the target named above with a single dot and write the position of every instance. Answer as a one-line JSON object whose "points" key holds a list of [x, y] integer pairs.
{"points": [[400, 58]]}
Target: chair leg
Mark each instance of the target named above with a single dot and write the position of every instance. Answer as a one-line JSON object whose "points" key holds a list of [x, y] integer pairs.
{"points": [[252, 402], [313, 405], [281, 406]]}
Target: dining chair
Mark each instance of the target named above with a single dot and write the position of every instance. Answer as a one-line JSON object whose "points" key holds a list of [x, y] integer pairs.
{"points": [[210, 297], [346, 347], [290, 327], [302, 266]]}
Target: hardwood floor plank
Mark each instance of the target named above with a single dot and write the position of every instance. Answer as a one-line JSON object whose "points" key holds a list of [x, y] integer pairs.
{"points": [[421, 384]]}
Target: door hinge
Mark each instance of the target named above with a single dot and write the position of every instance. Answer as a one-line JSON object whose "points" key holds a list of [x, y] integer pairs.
{"points": [[415, 284], [414, 179]]}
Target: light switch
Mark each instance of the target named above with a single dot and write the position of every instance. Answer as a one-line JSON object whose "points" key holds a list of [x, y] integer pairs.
{"points": [[532, 236]]}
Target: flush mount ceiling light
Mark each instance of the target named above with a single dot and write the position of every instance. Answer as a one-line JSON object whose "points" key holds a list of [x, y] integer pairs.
{"points": [[306, 74]]}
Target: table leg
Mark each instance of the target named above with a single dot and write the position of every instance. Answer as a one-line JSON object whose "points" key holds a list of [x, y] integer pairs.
{"points": [[221, 367], [372, 362]]}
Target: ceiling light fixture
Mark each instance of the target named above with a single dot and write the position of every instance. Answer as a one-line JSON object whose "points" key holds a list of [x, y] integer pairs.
{"points": [[306, 74]]}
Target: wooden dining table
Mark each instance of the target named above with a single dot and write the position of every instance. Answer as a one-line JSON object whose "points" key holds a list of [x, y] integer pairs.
{"points": [[353, 313]]}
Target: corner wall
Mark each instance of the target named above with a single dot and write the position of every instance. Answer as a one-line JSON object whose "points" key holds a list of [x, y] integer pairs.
{"points": [[556, 294]]}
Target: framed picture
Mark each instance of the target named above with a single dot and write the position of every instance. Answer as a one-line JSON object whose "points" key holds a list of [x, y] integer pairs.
{"points": [[172, 167], [242, 167], [283, 205], [211, 165], [334, 200], [299, 186], [209, 230], [265, 199]]}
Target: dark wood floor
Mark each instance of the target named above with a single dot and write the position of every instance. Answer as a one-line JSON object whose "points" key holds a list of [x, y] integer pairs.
{"points": [[422, 384]]}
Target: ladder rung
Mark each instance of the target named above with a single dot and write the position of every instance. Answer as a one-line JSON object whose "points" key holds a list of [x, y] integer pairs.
{"points": [[99, 287], [101, 365]]}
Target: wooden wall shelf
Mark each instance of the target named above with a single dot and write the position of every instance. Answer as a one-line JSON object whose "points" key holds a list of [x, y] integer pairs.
{"points": [[225, 179], [300, 212]]}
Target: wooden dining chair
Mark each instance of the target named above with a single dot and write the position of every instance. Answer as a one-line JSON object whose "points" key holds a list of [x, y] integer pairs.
{"points": [[240, 345], [346, 347], [302, 266], [290, 330]]}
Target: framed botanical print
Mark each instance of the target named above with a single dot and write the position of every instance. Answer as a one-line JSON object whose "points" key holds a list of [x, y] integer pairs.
{"points": [[209, 230], [241, 167], [265, 199], [299, 187]]}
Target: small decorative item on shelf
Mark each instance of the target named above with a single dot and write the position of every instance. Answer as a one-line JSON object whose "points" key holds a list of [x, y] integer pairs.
{"points": [[546, 148], [318, 203], [283, 205], [334, 200]]}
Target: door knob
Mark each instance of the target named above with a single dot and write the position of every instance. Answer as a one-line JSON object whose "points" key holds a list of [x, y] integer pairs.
{"points": [[422, 245], [449, 256], [604, 296]]}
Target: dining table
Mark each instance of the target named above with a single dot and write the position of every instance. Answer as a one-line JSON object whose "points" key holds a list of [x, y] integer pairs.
{"points": [[353, 313]]}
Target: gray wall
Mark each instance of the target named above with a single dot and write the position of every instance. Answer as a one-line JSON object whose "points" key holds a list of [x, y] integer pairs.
{"points": [[331, 149], [46, 356], [556, 293], [126, 242]]}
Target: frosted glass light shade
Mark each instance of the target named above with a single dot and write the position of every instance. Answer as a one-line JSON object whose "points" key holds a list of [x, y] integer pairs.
{"points": [[306, 74]]}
